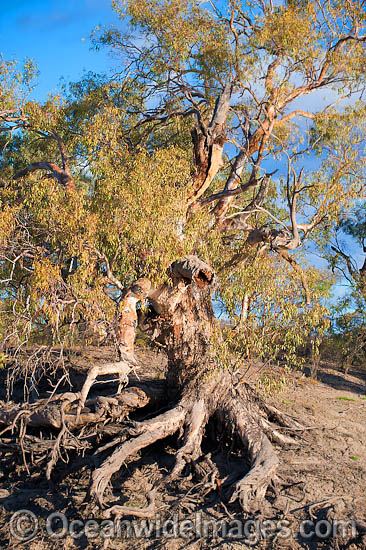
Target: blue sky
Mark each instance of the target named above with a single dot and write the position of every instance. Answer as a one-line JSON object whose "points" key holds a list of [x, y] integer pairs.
{"points": [[56, 35]]}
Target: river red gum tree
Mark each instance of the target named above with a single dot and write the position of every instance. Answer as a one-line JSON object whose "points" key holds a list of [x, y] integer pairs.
{"points": [[162, 183]]}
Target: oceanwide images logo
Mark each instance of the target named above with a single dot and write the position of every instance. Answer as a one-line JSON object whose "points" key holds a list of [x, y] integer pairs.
{"points": [[24, 526]]}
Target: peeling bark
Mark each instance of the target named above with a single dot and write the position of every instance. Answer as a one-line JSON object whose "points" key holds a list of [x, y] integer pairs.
{"points": [[127, 319]]}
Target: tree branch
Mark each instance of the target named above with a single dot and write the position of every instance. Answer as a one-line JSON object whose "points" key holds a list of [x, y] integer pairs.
{"points": [[62, 175]]}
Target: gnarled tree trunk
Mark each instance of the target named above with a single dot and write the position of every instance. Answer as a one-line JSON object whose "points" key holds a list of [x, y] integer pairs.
{"points": [[183, 320]]}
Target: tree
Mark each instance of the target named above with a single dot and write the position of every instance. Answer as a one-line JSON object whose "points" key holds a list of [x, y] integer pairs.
{"points": [[350, 316], [126, 199]]}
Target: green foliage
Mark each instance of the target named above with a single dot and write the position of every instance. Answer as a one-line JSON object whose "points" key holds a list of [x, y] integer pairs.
{"points": [[138, 210], [345, 398], [272, 385], [277, 323], [3, 360]]}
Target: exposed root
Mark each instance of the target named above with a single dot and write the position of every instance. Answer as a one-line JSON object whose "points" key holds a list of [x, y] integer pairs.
{"points": [[151, 431], [281, 418], [121, 368], [120, 511], [275, 436], [147, 433], [251, 489], [191, 450], [243, 412], [56, 452], [48, 412]]}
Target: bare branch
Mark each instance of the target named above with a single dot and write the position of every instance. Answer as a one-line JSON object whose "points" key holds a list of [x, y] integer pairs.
{"points": [[112, 279], [62, 175], [351, 269]]}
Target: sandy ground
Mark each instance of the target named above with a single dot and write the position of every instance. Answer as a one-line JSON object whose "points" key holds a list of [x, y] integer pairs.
{"points": [[322, 478]]}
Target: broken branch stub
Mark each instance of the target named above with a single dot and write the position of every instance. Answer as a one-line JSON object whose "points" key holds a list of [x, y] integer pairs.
{"points": [[191, 269], [127, 319], [125, 337]]}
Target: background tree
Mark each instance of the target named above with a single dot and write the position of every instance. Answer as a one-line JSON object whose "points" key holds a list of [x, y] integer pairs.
{"points": [[347, 259]]}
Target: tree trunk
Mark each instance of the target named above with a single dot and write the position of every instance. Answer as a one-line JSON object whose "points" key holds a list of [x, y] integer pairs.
{"points": [[183, 320]]}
